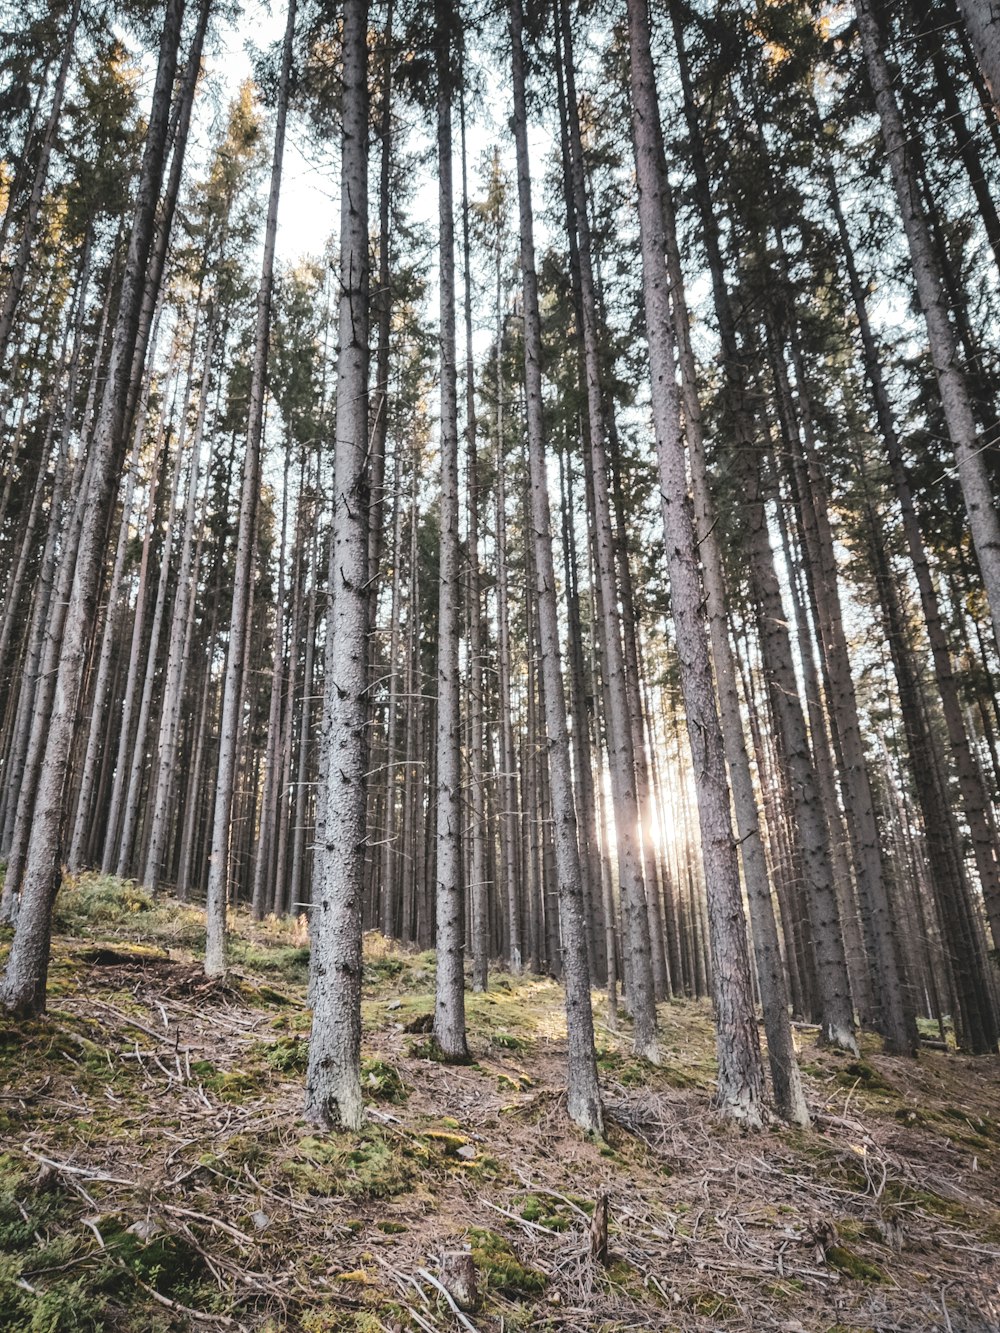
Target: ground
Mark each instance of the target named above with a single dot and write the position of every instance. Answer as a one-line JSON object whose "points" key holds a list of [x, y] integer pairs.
{"points": [[156, 1174]]}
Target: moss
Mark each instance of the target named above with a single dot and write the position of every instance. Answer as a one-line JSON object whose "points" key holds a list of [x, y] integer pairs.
{"points": [[508, 1042], [382, 1083], [371, 1165], [289, 962], [860, 1073], [428, 1049], [514, 1082], [846, 1261], [500, 1267], [713, 1305], [909, 1115], [288, 1055], [377, 970], [445, 1140], [232, 1085], [392, 1228], [549, 1213]]}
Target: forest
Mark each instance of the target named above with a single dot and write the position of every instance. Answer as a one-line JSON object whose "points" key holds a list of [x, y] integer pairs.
{"points": [[499, 644]]}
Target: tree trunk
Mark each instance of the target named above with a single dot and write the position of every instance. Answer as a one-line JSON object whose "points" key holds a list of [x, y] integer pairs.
{"points": [[449, 1002], [232, 690], [982, 19], [23, 989], [583, 1093], [809, 825], [952, 387], [22, 258], [785, 1077], [740, 1088], [333, 1080]]}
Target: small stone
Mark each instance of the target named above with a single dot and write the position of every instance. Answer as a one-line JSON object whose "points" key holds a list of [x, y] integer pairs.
{"points": [[466, 1152], [260, 1220]]}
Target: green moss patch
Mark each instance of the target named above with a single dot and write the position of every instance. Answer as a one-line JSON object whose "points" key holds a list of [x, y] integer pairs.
{"points": [[499, 1266], [371, 1165]]}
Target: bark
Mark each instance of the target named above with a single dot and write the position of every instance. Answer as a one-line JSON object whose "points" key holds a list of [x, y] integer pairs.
{"points": [[621, 759], [23, 989], [785, 1077], [83, 840], [952, 386], [262, 900], [449, 1002], [132, 807], [809, 825], [22, 257], [583, 1093], [508, 774], [333, 1080], [177, 645], [982, 19], [239, 628], [477, 743], [177, 139], [740, 1086], [944, 673], [383, 303], [975, 1023]]}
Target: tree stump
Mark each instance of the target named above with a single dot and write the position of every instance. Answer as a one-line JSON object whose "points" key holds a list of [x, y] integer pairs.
{"points": [[458, 1276]]}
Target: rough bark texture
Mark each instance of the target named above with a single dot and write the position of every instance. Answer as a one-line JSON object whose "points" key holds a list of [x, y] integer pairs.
{"points": [[786, 1080], [810, 831], [583, 1092], [982, 19], [952, 387], [232, 690], [740, 1087], [333, 1080], [23, 989], [621, 759], [449, 1000]]}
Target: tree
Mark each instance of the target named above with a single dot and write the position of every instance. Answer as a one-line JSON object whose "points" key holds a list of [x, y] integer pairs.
{"points": [[583, 1094], [232, 693], [333, 1079]]}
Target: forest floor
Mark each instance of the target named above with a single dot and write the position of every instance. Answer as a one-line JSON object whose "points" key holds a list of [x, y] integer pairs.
{"points": [[156, 1172]]}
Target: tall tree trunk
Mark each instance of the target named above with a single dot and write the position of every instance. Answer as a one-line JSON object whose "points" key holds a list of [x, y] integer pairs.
{"points": [[740, 1087], [22, 258], [982, 19], [583, 1093], [969, 787], [83, 841], [449, 1002], [23, 988], [785, 1077], [634, 868], [239, 626], [952, 386], [333, 1079], [809, 825], [477, 741], [177, 656]]}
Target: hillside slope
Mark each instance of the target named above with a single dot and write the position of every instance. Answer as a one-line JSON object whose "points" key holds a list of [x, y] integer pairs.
{"points": [[155, 1172]]}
